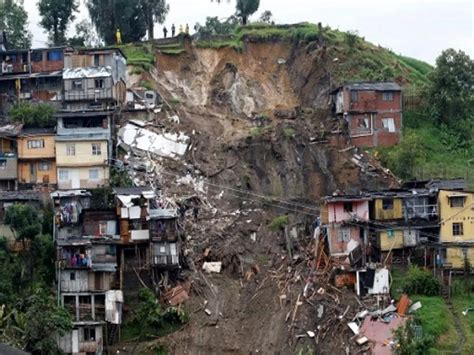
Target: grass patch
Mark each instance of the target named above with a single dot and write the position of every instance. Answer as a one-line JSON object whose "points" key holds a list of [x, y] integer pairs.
{"points": [[437, 321], [173, 51], [147, 84], [139, 55], [278, 223], [467, 321]]}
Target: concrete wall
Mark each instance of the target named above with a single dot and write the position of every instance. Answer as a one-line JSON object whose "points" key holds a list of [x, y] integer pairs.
{"points": [[383, 214], [83, 154], [343, 239], [391, 240], [48, 151], [450, 215], [336, 213], [79, 177], [42, 176]]}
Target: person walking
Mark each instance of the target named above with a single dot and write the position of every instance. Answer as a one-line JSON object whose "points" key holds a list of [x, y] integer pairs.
{"points": [[173, 30], [165, 31]]}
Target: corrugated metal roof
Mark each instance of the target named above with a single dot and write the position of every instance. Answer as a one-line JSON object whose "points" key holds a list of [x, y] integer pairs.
{"points": [[36, 131], [132, 190], [90, 72], [374, 86]]}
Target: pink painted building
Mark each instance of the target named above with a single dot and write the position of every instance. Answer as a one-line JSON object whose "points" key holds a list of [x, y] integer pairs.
{"points": [[343, 219]]}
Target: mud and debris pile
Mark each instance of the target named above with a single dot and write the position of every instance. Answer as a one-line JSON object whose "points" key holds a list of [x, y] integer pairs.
{"points": [[243, 155]]}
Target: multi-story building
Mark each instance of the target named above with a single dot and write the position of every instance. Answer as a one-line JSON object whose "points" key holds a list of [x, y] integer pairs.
{"points": [[8, 156], [34, 74], [345, 221], [372, 112], [83, 148], [94, 89], [36, 157], [86, 238], [456, 210]]}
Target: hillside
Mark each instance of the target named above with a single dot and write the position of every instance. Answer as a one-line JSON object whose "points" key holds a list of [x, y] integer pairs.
{"points": [[255, 109]]}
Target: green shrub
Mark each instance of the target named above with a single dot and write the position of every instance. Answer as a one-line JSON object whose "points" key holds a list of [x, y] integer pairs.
{"points": [[278, 223], [409, 343], [39, 115], [421, 282]]}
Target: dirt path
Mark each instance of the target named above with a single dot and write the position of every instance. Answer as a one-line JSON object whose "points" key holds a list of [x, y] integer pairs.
{"points": [[458, 326]]}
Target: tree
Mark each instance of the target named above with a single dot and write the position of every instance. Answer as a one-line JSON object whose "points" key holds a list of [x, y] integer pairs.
{"points": [[109, 15], [266, 17], [14, 21], [154, 11], [39, 115], [56, 16], [245, 8], [85, 36], [450, 93], [215, 27]]}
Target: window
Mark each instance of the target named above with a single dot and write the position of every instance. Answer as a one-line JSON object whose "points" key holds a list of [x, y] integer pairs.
{"points": [[35, 144], [354, 96], [96, 149], [93, 174], [102, 228], [71, 149], [96, 60], [387, 96], [363, 122], [72, 276], [77, 84], [3, 164], [55, 56], [456, 201], [387, 204], [44, 166], [99, 83], [347, 206], [458, 229], [63, 174], [89, 334], [388, 124], [344, 234], [36, 57]]}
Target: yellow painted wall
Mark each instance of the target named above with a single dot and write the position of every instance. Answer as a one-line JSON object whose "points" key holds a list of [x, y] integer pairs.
{"points": [[79, 177], [83, 156], [450, 215], [395, 213], [46, 152], [24, 172], [387, 242], [455, 256]]}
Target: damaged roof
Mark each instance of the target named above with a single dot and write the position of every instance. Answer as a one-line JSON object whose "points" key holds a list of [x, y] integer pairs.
{"points": [[133, 190], [346, 198], [36, 131], [20, 196], [69, 193], [89, 72], [10, 129], [371, 86]]}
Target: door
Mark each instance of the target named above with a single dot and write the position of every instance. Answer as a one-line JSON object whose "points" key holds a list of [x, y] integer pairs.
{"points": [[99, 276], [33, 173], [75, 179]]}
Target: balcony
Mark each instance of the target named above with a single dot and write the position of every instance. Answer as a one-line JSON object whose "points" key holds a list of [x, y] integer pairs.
{"points": [[89, 95]]}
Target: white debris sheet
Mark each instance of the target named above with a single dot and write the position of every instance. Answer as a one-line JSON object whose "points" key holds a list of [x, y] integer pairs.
{"points": [[167, 145]]}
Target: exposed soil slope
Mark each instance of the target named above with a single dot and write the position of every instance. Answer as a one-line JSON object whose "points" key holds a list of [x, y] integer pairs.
{"points": [[258, 122]]}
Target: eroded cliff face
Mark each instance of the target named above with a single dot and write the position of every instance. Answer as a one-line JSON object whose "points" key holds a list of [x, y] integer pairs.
{"points": [[258, 124]]}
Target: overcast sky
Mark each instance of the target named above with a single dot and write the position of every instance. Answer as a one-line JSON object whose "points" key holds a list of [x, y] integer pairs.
{"points": [[417, 28]]}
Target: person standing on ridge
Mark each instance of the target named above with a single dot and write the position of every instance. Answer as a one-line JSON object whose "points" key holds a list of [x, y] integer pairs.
{"points": [[173, 30], [180, 29], [165, 31], [118, 36], [187, 29]]}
